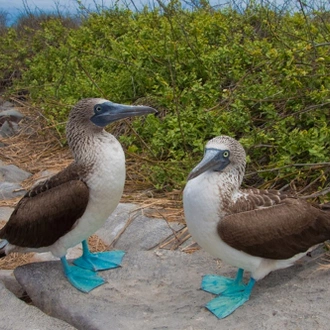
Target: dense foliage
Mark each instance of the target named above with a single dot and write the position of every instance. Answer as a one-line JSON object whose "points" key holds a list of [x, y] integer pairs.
{"points": [[259, 75]]}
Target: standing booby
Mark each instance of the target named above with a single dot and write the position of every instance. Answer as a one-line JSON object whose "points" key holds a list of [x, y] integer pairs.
{"points": [[70, 206], [255, 230]]}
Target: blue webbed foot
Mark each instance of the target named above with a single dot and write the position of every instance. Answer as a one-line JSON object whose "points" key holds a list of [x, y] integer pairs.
{"points": [[227, 303], [83, 279], [222, 285], [99, 261]]}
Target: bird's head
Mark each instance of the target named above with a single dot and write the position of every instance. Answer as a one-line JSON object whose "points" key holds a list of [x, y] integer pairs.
{"points": [[221, 154], [98, 113]]}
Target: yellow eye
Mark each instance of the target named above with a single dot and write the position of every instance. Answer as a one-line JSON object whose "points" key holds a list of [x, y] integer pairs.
{"points": [[225, 154]]}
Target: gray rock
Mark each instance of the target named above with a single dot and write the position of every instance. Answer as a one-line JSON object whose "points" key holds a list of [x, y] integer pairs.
{"points": [[11, 113], [160, 290], [17, 315], [143, 294], [10, 190], [5, 213], [6, 104], [142, 233], [8, 129], [8, 279], [12, 173]]}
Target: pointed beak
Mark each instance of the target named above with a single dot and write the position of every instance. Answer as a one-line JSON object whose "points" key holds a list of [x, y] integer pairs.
{"points": [[112, 112], [212, 160]]}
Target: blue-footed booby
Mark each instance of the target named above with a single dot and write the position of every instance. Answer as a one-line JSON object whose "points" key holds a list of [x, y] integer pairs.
{"points": [[255, 230], [70, 206]]}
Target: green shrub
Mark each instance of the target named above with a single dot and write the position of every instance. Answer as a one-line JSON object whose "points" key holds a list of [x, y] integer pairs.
{"points": [[260, 76]]}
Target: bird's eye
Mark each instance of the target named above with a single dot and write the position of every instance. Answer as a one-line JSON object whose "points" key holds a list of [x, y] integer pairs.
{"points": [[98, 109], [226, 154]]}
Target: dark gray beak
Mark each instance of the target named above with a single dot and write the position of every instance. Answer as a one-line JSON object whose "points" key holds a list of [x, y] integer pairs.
{"points": [[213, 160], [109, 112]]}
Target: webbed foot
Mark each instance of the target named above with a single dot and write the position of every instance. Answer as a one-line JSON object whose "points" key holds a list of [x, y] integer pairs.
{"points": [[227, 303], [220, 285], [83, 279], [100, 260]]}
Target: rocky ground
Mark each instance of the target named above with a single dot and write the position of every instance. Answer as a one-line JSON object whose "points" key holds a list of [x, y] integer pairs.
{"points": [[157, 286]]}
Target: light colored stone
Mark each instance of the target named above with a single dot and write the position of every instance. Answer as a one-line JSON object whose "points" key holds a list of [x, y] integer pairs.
{"points": [[160, 290], [142, 294], [17, 315], [11, 112], [8, 279], [11, 173], [6, 104], [10, 190], [8, 129]]}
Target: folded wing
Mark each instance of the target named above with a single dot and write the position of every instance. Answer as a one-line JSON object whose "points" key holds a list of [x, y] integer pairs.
{"points": [[47, 212], [278, 231]]}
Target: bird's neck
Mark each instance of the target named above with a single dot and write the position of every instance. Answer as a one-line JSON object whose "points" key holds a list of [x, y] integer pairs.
{"points": [[229, 184], [231, 180], [88, 148]]}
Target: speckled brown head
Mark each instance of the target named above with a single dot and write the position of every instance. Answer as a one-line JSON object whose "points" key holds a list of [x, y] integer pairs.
{"points": [[95, 113], [222, 153], [89, 116]]}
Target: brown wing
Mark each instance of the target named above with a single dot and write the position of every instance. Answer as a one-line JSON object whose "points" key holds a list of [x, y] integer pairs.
{"points": [[72, 172], [276, 232], [256, 198], [46, 213]]}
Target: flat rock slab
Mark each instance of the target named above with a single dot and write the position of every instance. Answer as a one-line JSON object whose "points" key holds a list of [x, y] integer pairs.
{"points": [[9, 190], [160, 290], [11, 173], [17, 315], [8, 279], [4, 105], [11, 112]]}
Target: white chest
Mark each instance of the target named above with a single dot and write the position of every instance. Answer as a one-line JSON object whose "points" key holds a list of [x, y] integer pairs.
{"points": [[203, 211], [106, 184]]}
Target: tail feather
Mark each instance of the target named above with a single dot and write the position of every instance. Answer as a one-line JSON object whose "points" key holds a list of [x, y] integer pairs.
{"points": [[3, 244]]}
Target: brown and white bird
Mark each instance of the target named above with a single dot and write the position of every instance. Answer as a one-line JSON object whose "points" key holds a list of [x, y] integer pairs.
{"points": [[70, 206], [255, 230]]}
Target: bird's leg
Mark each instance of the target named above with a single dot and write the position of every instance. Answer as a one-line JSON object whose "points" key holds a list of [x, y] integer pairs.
{"points": [[227, 303], [219, 284], [83, 279], [100, 260]]}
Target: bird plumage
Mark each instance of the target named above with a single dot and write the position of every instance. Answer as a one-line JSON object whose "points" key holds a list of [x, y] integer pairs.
{"points": [[256, 230], [295, 227], [70, 206]]}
